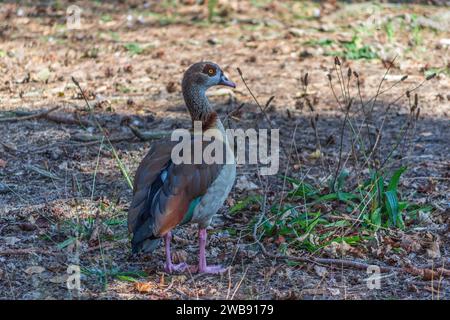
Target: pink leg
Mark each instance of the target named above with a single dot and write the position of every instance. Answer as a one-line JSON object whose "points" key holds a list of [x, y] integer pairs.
{"points": [[170, 267], [202, 267]]}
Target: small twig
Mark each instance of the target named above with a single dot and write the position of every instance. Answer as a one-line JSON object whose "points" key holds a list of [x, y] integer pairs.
{"points": [[385, 116], [94, 139], [428, 274], [256, 100], [232, 112], [381, 83], [263, 110], [337, 62], [100, 247], [24, 251], [9, 147], [239, 284], [116, 156], [338, 168], [43, 172]]}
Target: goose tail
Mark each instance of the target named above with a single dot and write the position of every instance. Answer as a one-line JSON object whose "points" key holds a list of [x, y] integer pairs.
{"points": [[145, 246]]}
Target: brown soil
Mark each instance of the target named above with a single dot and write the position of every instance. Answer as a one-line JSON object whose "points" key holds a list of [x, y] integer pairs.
{"points": [[129, 58]]}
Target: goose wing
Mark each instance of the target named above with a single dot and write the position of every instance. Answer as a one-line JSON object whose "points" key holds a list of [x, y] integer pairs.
{"points": [[163, 191]]}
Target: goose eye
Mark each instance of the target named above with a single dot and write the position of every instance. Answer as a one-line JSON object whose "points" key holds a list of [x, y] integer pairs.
{"points": [[209, 70]]}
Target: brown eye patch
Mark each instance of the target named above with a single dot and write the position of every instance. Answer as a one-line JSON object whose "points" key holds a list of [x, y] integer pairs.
{"points": [[209, 70]]}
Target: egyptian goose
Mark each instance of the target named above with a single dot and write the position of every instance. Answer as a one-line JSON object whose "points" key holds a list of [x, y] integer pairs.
{"points": [[167, 194]]}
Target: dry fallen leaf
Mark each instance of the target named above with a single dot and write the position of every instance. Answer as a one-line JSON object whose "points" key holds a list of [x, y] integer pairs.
{"points": [[34, 269], [427, 188], [336, 249], [434, 251], [280, 240], [334, 291], [43, 75], [320, 271], [59, 279], [230, 201], [425, 218], [316, 154], [11, 240], [180, 279], [243, 183], [410, 243], [145, 287], [26, 226], [2, 163]]}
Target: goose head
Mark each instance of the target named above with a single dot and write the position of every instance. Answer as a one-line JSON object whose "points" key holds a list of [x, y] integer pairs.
{"points": [[205, 75], [198, 78]]}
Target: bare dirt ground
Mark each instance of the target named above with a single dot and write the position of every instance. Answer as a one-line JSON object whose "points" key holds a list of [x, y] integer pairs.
{"points": [[64, 200]]}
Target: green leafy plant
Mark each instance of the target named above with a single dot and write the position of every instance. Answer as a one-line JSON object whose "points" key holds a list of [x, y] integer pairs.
{"points": [[320, 42], [163, 19], [211, 9], [115, 36], [354, 50], [390, 30], [352, 206], [435, 70], [102, 276], [242, 204], [383, 202], [301, 225], [134, 48], [416, 31], [106, 18], [293, 227]]}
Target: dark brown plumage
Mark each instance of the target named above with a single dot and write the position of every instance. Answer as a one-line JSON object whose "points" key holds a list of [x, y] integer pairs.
{"points": [[158, 206]]}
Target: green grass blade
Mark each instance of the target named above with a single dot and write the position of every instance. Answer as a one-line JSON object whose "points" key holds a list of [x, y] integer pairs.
{"points": [[122, 168], [242, 204], [341, 196], [392, 206], [393, 183], [341, 180], [66, 243], [375, 218]]}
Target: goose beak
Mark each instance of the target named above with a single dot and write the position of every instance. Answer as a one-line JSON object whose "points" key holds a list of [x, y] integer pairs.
{"points": [[225, 82]]}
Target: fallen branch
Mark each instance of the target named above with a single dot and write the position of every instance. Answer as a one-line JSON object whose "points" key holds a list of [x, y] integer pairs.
{"points": [[149, 135], [136, 133], [428, 274], [94, 139], [68, 118], [42, 114]]}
